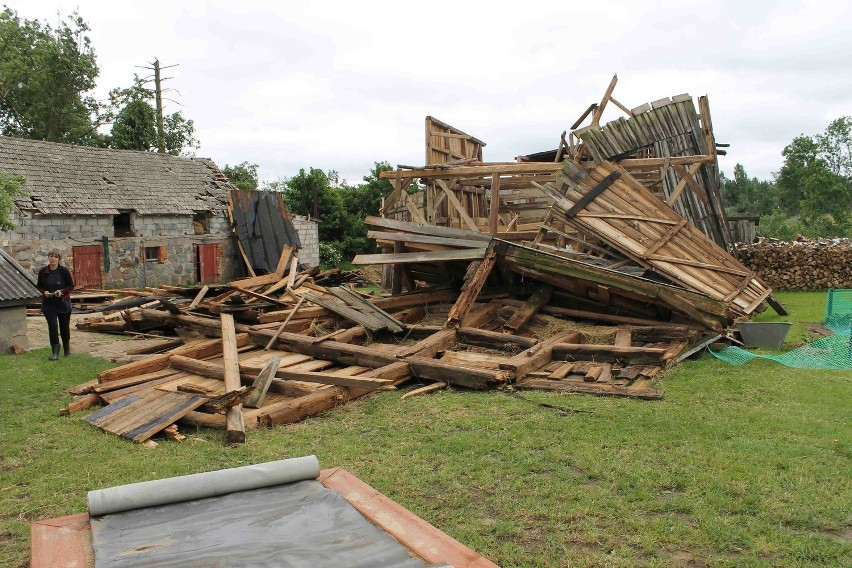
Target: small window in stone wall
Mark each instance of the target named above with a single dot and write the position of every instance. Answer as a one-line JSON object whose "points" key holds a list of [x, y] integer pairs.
{"points": [[122, 224], [155, 254], [201, 223]]}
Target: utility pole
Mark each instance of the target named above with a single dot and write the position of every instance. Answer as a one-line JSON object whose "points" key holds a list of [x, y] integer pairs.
{"points": [[158, 94]]}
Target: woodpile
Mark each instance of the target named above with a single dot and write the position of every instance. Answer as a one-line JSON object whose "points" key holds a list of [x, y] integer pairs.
{"points": [[317, 347], [803, 264]]}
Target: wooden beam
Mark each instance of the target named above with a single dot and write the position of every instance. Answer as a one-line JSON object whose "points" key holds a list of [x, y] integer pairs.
{"points": [[537, 300], [419, 257], [536, 356], [494, 211], [471, 288], [262, 382], [230, 359]]}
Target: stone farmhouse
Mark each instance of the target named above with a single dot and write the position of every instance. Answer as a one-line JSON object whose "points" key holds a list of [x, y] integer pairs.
{"points": [[125, 218]]}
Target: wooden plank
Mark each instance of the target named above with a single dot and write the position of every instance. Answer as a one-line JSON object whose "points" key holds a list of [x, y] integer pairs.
{"points": [[290, 411], [230, 360], [471, 377], [432, 230], [471, 288], [537, 300], [261, 383], [363, 305], [592, 194], [428, 543], [369, 321], [644, 393], [198, 297], [284, 260], [63, 542], [417, 257], [504, 168], [536, 356], [494, 211], [426, 239], [262, 280], [607, 353], [138, 417]]}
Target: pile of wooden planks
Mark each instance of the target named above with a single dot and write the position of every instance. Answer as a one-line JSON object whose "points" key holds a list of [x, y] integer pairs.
{"points": [[638, 195], [248, 376]]}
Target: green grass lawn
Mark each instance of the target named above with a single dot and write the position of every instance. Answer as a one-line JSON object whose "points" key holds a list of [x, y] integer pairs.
{"points": [[737, 466]]}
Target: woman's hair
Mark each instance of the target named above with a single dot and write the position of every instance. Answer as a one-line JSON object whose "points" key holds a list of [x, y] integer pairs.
{"points": [[55, 252]]}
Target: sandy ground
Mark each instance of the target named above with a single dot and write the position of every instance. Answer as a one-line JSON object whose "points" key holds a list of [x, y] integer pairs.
{"points": [[106, 345]]}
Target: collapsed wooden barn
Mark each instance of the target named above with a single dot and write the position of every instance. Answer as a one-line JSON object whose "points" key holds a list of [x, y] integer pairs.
{"points": [[588, 268]]}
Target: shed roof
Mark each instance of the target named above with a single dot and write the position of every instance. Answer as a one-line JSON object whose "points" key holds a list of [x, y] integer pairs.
{"points": [[15, 285], [63, 179]]}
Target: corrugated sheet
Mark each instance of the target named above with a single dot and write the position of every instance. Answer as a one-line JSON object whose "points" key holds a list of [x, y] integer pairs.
{"points": [[14, 283], [63, 179]]}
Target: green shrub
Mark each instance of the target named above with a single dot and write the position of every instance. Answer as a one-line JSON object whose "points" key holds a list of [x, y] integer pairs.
{"points": [[331, 255]]}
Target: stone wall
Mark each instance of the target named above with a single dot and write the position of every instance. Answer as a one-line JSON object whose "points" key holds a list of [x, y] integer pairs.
{"points": [[30, 242], [308, 230], [13, 329]]}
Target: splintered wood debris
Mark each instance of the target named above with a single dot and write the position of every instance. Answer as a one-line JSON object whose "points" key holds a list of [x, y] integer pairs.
{"points": [[586, 269]]}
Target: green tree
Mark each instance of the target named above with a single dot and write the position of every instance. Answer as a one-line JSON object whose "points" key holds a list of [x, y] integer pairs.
{"points": [[242, 176], [134, 122], [11, 188], [815, 182], [748, 196], [46, 76], [299, 191]]}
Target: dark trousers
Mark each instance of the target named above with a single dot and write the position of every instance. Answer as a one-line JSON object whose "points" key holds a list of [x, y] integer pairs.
{"points": [[58, 324]]}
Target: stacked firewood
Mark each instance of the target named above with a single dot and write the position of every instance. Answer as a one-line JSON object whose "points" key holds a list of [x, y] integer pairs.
{"points": [[804, 264]]}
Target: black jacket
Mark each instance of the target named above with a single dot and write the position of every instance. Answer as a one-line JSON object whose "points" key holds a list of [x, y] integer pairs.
{"points": [[46, 283]]}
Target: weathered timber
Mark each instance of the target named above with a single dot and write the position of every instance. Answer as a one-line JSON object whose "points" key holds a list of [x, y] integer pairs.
{"points": [[430, 346], [342, 353], [537, 356], [471, 288], [341, 308], [564, 351], [230, 360], [448, 242], [291, 411], [394, 302], [362, 304], [642, 392], [537, 300], [493, 339], [423, 390], [416, 257], [207, 326], [198, 349], [262, 382], [433, 369]]}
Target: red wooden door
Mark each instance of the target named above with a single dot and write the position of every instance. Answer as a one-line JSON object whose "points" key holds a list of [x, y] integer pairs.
{"points": [[208, 263], [87, 266]]}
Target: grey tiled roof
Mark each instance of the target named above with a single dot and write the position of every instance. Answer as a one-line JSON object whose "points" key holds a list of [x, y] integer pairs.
{"points": [[63, 179], [14, 282]]}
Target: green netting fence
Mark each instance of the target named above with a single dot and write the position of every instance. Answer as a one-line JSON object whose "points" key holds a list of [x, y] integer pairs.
{"points": [[832, 352]]}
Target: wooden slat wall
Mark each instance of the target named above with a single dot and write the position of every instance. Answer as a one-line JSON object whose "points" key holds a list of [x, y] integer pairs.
{"points": [[661, 240], [668, 127]]}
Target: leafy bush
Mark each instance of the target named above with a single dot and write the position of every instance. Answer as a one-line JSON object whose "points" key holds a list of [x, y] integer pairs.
{"points": [[331, 255]]}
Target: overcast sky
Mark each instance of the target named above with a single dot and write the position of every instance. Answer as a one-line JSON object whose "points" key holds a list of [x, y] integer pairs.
{"points": [[342, 84]]}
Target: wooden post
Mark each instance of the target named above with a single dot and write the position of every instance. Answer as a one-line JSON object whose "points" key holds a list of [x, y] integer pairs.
{"points": [[234, 417], [494, 212]]}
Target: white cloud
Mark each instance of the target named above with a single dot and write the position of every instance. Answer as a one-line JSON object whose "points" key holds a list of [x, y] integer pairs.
{"points": [[339, 85]]}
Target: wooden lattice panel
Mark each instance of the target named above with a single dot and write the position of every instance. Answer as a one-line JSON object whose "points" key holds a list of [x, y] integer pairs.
{"points": [[609, 203]]}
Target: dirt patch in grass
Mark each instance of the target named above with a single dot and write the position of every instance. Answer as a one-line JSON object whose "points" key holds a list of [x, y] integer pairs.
{"points": [[105, 345]]}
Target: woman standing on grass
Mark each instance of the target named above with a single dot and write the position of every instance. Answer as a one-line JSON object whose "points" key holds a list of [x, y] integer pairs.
{"points": [[55, 284]]}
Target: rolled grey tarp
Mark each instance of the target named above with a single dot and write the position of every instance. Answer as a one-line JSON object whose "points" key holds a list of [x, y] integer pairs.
{"points": [[201, 485]]}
